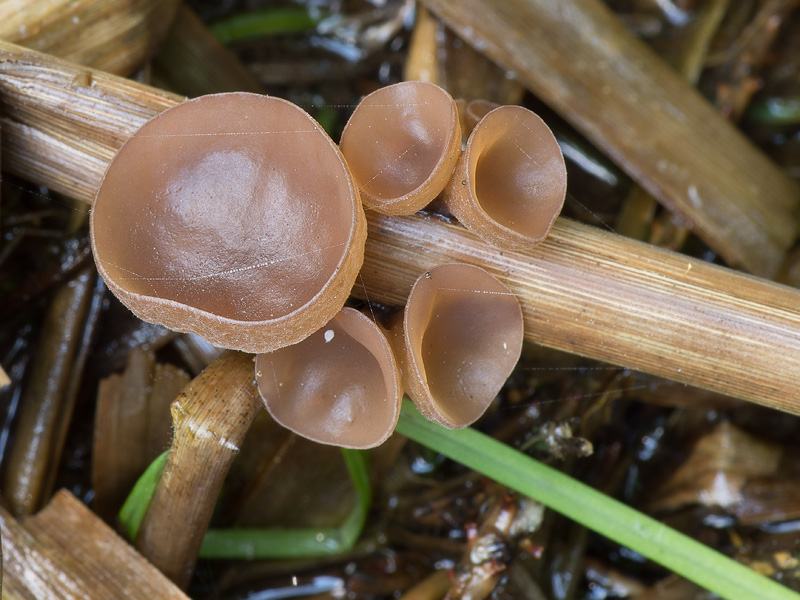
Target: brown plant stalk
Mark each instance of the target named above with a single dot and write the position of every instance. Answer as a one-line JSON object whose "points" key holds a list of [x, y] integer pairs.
{"points": [[210, 418], [579, 58], [583, 290]]}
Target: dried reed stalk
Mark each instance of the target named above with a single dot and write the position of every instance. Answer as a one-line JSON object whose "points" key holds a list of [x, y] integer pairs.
{"points": [[49, 399], [579, 58], [120, 431], [210, 418], [597, 294], [65, 551], [117, 36], [437, 55], [62, 123], [584, 290]]}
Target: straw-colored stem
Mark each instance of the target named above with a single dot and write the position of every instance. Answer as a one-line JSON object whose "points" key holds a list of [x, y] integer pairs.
{"points": [[583, 290], [62, 123], [115, 35], [580, 59], [120, 425], [597, 294], [636, 217], [66, 551], [210, 418], [436, 55]]}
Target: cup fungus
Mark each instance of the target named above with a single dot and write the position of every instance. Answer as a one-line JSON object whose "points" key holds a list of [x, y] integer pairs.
{"points": [[473, 111], [509, 184], [401, 143], [233, 216], [459, 340], [339, 386]]}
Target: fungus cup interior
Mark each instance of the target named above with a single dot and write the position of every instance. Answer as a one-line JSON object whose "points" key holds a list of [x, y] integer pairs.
{"points": [[339, 386], [232, 216], [511, 181], [462, 336], [402, 142]]}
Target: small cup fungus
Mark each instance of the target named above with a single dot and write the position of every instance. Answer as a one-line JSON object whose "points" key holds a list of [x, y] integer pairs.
{"points": [[472, 113], [401, 143], [339, 386], [459, 340], [233, 216], [509, 184]]}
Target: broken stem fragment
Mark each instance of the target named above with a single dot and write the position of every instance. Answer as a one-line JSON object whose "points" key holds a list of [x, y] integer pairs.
{"points": [[211, 417]]}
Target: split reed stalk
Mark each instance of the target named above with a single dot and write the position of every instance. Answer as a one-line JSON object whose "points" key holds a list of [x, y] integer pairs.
{"points": [[584, 290]]}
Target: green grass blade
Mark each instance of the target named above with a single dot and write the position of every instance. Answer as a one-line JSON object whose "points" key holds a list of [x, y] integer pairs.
{"points": [[135, 507], [357, 462], [254, 543], [593, 509], [775, 111], [299, 543], [264, 543], [259, 23]]}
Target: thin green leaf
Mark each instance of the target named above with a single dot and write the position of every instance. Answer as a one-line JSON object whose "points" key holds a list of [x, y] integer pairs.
{"points": [[593, 509], [260, 23], [254, 543], [775, 111], [132, 512], [298, 543], [327, 118], [264, 543], [357, 462]]}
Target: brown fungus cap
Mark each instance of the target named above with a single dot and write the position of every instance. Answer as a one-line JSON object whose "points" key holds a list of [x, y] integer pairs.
{"points": [[509, 184], [339, 386], [401, 143], [232, 216], [459, 340]]}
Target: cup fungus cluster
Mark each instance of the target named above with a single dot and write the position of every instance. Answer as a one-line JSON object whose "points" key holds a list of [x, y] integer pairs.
{"points": [[234, 216], [403, 141]]}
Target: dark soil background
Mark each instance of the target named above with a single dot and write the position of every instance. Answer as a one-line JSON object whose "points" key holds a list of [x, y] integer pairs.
{"points": [[722, 470]]}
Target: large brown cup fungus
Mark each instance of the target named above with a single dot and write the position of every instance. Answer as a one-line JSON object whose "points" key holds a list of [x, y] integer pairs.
{"points": [[401, 143], [339, 386], [509, 184], [459, 340], [233, 216]]}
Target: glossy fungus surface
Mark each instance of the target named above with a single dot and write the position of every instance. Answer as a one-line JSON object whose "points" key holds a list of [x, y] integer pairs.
{"points": [[510, 182], [460, 338], [232, 216], [339, 386], [401, 143]]}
